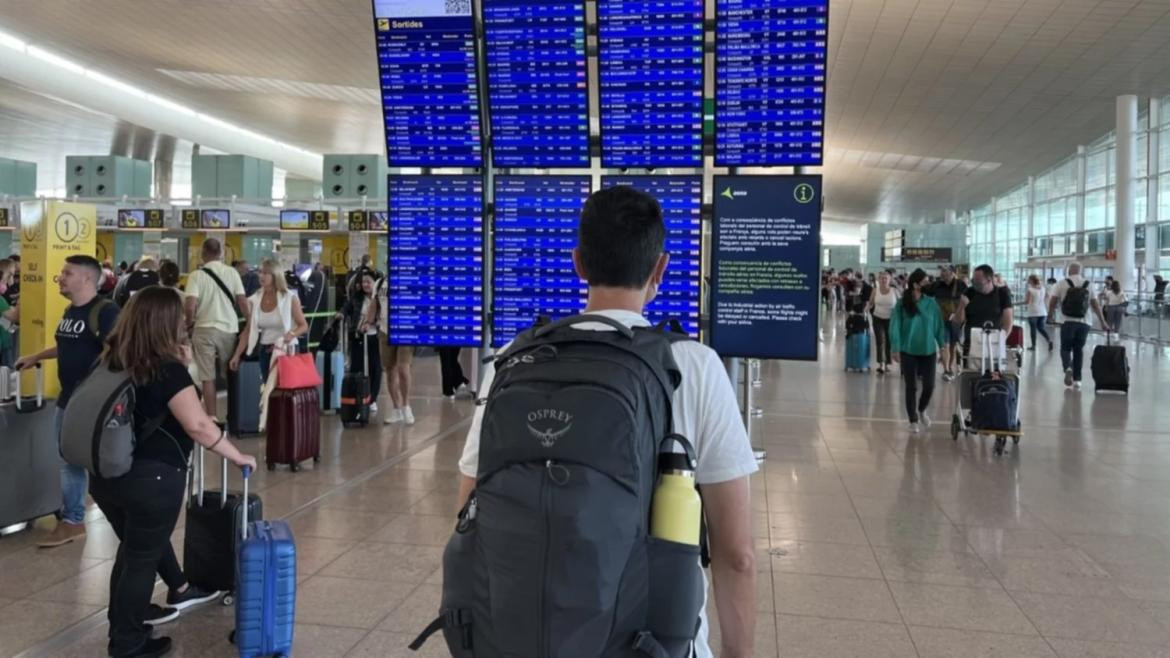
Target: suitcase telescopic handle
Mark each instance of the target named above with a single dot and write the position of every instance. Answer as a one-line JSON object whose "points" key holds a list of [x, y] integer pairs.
{"points": [[247, 471], [202, 468], [40, 387]]}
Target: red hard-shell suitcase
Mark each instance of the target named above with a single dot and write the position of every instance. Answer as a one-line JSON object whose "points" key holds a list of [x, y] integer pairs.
{"points": [[294, 427]]}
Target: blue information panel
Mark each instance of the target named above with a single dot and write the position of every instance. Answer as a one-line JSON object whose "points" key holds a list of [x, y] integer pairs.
{"points": [[535, 232], [765, 266], [426, 61], [650, 59], [436, 260], [538, 90], [681, 198], [770, 60]]}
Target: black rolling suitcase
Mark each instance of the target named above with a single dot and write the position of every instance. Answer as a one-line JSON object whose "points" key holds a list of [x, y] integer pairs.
{"points": [[243, 414], [212, 534], [1110, 366], [355, 392]]}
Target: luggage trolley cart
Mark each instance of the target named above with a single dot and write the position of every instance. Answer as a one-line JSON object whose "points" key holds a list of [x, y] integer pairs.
{"points": [[989, 395]]}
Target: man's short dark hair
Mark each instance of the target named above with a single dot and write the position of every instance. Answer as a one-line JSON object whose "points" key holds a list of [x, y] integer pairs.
{"points": [[88, 262], [986, 271], [620, 238]]}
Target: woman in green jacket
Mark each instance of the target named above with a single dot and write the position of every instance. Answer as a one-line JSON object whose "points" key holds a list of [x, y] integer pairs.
{"points": [[916, 334]]}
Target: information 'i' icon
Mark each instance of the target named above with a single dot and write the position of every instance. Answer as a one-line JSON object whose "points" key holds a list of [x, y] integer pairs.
{"points": [[804, 193]]}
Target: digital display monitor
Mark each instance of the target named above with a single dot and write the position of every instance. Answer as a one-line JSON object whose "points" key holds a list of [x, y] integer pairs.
{"points": [[681, 198], [378, 221], [770, 61], [368, 221], [538, 90], [765, 266], [535, 232], [215, 220], [436, 260], [650, 60], [4, 218], [304, 220], [427, 69], [140, 219], [189, 219]]}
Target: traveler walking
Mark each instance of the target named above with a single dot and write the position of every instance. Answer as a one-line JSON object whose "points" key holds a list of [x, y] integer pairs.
{"points": [[451, 377], [144, 274], [81, 333], [881, 305], [1073, 298], [1036, 301], [143, 505], [396, 359], [214, 305], [1115, 303], [916, 334], [364, 335], [274, 318], [567, 465], [947, 290], [983, 302]]}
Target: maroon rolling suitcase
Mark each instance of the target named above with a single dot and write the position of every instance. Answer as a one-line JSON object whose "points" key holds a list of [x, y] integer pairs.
{"points": [[294, 427]]}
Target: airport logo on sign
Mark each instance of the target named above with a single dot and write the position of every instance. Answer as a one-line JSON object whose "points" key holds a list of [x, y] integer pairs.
{"points": [[733, 194]]}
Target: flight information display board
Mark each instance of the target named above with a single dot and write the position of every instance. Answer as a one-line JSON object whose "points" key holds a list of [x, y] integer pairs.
{"points": [[765, 266], [681, 198], [535, 232], [436, 260], [538, 92], [427, 68], [770, 60], [650, 59]]}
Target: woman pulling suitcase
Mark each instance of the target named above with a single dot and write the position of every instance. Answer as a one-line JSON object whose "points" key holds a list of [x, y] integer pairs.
{"points": [[143, 505]]}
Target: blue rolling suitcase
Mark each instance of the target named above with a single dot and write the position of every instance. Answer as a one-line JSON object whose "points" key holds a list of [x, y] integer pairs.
{"points": [[244, 398], [857, 352], [266, 588]]}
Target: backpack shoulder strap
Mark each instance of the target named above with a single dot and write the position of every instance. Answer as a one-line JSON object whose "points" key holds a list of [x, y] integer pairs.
{"points": [[219, 282], [95, 317]]}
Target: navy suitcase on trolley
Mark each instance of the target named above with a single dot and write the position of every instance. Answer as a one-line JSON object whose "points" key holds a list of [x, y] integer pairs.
{"points": [[266, 588]]}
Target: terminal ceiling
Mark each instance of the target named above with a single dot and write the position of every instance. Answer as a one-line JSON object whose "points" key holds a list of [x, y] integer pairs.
{"points": [[932, 104]]}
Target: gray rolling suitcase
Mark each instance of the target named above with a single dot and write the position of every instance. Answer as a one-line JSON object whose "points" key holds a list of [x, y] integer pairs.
{"points": [[244, 399]]}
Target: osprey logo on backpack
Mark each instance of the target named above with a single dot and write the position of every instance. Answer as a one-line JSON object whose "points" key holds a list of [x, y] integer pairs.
{"points": [[548, 438]]}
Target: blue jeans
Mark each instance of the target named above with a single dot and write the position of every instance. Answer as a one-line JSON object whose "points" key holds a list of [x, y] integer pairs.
{"points": [[1036, 324], [73, 482], [1073, 336]]}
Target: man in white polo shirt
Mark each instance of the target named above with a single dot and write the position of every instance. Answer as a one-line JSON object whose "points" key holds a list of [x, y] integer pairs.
{"points": [[215, 303], [620, 253]]}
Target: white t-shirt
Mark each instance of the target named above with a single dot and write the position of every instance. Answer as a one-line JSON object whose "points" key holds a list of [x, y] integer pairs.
{"points": [[1115, 298], [705, 410], [1038, 307], [1061, 288], [883, 305], [216, 310]]}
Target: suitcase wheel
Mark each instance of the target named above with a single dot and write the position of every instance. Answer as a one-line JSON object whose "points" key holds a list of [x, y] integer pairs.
{"points": [[955, 427], [295, 467], [1015, 440], [1000, 444], [316, 459], [232, 636], [227, 600], [271, 466]]}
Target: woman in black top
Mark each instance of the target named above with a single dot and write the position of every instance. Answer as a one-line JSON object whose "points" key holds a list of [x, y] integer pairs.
{"points": [[143, 505]]}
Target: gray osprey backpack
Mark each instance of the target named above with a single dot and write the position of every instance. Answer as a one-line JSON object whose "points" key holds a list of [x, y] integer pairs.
{"points": [[97, 429], [552, 555]]}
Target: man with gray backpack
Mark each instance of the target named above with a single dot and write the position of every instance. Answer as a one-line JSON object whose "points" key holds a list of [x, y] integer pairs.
{"points": [[565, 468]]}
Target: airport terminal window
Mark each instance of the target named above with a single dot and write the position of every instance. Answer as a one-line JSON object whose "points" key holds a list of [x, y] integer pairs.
{"points": [[1095, 210], [1096, 169], [1139, 235], [1098, 242], [1164, 239]]}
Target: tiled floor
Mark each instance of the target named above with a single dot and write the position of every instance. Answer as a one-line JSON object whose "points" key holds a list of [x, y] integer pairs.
{"points": [[871, 542]]}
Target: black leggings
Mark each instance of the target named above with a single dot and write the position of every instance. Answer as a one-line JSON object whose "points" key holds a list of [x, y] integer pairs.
{"points": [[451, 372], [373, 356], [1036, 325], [881, 335], [142, 508], [916, 367]]}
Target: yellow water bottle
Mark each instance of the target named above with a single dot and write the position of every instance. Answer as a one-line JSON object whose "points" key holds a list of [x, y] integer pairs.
{"points": [[677, 510]]}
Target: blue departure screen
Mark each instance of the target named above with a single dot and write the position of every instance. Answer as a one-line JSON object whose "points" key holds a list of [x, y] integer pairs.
{"points": [[426, 61], [537, 84], [765, 266], [436, 260], [650, 59], [681, 198], [535, 232], [770, 82]]}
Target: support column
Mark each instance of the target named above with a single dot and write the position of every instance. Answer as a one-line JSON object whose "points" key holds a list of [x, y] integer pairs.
{"points": [[1153, 144], [1126, 168], [1030, 218], [1082, 174]]}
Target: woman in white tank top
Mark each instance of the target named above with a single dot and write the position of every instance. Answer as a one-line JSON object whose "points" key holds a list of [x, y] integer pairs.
{"points": [[881, 305], [1036, 300]]}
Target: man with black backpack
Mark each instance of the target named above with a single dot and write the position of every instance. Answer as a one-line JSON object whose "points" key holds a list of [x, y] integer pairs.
{"points": [[145, 274], [215, 303], [80, 337], [560, 468], [1074, 299]]}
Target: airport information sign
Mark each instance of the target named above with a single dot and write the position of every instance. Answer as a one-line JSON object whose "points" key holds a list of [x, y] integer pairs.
{"points": [[681, 198], [765, 266], [770, 61], [367, 221], [535, 232], [538, 94], [151, 218], [304, 220], [650, 61], [436, 260], [427, 68]]}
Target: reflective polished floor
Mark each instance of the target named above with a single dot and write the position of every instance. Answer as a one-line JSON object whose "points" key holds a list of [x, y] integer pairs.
{"points": [[872, 542]]}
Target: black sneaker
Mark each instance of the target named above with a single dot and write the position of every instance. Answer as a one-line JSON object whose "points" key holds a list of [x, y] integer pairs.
{"points": [[156, 615], [191, 597], [152, 648]]}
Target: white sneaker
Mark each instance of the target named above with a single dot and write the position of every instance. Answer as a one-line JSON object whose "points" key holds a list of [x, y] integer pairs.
{"points": [[925, 419], [1076, 386], [1068, 378], [462, 391], [915, 428], [373, 408], [393, 416], [408, 415]]}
